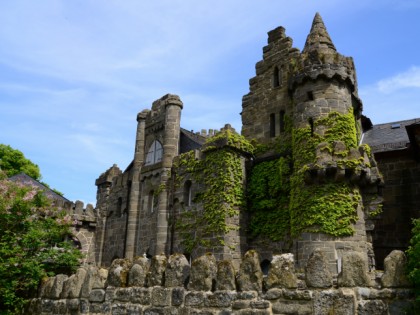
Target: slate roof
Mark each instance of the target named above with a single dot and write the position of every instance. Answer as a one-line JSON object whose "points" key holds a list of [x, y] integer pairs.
{"points": [[389, 136], [29, 181], [190, 141]]}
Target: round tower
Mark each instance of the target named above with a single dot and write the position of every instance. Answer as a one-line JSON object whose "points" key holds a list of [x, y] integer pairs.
{"points": [[326, 206]]}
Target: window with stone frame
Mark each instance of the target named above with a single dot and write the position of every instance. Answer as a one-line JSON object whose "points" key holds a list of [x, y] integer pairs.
{"points": [[154, 155], [187, 193]]}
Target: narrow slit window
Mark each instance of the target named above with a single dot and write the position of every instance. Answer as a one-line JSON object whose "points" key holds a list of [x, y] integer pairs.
{"points": [[188, 193], [281, 121], [311, 124], [150, 201], [276, 77], [272, 125]]}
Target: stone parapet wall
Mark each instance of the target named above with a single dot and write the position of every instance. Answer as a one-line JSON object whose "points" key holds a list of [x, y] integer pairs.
{"points": [[171, 285]]}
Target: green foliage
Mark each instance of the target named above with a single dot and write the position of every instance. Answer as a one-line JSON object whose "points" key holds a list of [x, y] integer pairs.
{"points": [[268, 195], [221, 173], [329, 208], [280, 200], [32, 243], [13, 162], [413, 255]]}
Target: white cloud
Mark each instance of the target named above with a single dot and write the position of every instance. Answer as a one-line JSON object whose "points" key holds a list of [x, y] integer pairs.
{"points": [[407, 79], [394, 98]]}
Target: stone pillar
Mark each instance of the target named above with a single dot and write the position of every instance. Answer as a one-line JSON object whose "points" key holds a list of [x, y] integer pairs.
{"points": [[133, 206], [173, 107]]}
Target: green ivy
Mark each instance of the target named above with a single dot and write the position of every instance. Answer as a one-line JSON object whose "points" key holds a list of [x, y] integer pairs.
{"points": [[282, 203], [268, 195], [220, 172]]}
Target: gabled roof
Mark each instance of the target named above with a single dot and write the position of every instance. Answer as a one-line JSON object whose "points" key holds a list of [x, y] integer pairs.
{"points": [[389, 136], [190, 141], [29, 181]]}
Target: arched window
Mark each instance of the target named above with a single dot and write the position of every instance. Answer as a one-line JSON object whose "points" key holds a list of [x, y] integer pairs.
{"points": [[154, 155], [187, 193]]}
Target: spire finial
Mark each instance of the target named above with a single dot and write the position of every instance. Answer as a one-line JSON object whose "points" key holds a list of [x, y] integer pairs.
{"points": [[318, 38]]}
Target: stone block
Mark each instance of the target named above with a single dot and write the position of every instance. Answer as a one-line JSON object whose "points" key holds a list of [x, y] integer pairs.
{"points": [[57, 286], [118, 273], [317, 273], [282, 272], [273, 294], [141, 296], [73, 285], [123, 294], [161, 296], [155, 275], [290, 307], [395, 270], [177, 296], [137, 275], [97, 295], [95, 279], [194, 299], [225, 279], [334, 302], [372, 307], [219, 299], [354, 272], [119, 309], [250, 276], [177, 271], [203, 273]]}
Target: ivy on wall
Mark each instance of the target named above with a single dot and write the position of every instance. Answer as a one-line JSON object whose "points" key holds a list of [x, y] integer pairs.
{"points": [[281, 203], [221, 175]]}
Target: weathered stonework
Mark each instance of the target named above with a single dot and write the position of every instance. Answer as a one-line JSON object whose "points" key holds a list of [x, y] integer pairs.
{"points": [[211, 299]]}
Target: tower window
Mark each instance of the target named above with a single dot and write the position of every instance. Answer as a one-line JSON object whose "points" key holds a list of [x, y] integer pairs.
{"points": [[152, 201], [310, 95], [119, 207], [188, 193], [276, 77], [311, 124], [154, 155], [272, 125], [281, 121]]}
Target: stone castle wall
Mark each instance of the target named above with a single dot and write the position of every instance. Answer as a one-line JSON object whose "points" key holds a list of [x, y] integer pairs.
{"points": [[401, 203], [171, 285]]}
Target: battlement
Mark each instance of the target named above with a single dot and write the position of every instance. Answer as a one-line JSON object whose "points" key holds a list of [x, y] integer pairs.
{"points": [[163, 285]]}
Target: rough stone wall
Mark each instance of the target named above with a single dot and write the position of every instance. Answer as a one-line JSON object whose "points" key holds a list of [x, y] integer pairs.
{"points": [[401, 202], [173, 286], [267, 97], [113, 220]]}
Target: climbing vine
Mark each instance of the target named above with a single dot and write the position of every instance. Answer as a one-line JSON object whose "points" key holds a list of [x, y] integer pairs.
{"points": [[329, 208], [220, 172], [281, 203]]}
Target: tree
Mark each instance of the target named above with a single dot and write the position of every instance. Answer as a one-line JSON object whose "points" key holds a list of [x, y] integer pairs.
{"points": [[13, 162], [35, 242], [413, 254]]}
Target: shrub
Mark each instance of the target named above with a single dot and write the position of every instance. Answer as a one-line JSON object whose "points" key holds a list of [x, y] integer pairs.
{"points": [[33, 243], [413, 254]]}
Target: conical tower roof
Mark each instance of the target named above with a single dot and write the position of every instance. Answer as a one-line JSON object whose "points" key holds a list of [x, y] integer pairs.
{"points": [[318, 38]]}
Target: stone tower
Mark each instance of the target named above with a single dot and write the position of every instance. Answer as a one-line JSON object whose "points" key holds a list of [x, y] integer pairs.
{"points": [[161, 145], [304, 108]]}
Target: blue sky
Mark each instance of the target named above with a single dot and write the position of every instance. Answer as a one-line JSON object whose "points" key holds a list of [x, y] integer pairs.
{"points": [[74, 74]]}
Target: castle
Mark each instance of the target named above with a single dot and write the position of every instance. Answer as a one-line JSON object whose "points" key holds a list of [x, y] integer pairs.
{"points": [[305, 173]]}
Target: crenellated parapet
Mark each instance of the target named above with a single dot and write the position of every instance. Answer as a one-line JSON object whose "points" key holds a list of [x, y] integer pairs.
{"points": [[170, 285], [337, 163]]}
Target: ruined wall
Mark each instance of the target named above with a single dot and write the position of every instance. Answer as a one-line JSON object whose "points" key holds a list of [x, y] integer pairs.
{"points": [[173, 286], [401, 193]]}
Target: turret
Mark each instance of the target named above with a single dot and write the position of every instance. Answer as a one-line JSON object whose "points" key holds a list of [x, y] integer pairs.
{"points": [[326, 198]]}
